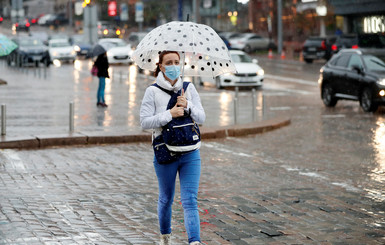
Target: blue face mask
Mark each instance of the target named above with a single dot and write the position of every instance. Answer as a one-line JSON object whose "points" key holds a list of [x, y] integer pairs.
{"points": [[172, 72]]}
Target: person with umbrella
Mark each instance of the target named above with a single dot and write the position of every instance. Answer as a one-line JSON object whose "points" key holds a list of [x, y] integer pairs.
{"points": [[102, 65], [153, 115], [180, 48]]}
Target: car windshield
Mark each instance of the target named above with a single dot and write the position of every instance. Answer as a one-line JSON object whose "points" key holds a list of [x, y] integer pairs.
{"points": [[60, 44], [30, 42], [78, 39], [373, 63], [241, 58]]}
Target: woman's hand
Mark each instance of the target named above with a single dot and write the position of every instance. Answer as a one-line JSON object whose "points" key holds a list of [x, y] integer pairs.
{"points": [[182, 100], [177, 111]]}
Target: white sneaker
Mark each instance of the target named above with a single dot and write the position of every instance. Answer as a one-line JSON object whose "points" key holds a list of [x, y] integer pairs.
{"points": [[165, 239], [195, 243]]}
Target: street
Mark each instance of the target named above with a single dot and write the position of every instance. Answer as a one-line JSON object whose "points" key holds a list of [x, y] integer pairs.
{"points": [[317, 181]]}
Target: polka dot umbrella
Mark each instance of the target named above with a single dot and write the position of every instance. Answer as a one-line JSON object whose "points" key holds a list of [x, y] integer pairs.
{"points": [[202, 49]]}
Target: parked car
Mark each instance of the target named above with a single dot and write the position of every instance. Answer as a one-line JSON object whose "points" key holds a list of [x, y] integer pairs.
{"points": [[81, 45], [353, 74], [43, 19], [61, 49], [135, 37], [355, 41], [57, 20], [30, 51], [229, 35], [22, 25], [316, 48], [249, 73], [249, 42], [119, 51]]}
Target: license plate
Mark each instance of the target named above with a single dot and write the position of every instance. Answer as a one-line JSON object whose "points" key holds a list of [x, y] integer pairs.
{"points": [[36, 57], [312, 49]]}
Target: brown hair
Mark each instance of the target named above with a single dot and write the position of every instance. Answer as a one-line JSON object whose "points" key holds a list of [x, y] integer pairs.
{"points": [[161, 55]]}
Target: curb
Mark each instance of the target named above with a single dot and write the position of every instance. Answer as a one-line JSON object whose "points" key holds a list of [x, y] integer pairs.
{"points": [[79, 138]]}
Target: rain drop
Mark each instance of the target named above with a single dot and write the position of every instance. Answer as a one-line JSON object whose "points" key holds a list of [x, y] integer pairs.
{"points": [[200, 57], [181, 44], [149, 60], [202, 68], [208, 49], [192, 67], [208, 63]]}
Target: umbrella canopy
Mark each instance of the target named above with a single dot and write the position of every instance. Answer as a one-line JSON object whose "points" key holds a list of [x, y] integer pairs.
{"points": [[6, 45], [202, 49], [99, 49]]}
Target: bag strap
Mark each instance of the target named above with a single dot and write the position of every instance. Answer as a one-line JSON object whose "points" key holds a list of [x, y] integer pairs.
{"points": [[174, 96]]}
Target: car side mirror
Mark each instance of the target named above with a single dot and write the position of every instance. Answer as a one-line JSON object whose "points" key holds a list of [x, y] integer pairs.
{"points": [[255, 61], [357, 69]]}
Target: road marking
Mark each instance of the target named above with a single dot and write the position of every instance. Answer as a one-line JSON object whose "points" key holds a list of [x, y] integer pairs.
{"points": [[282, 108], [218, 147], [292, 80], [334, 116]]}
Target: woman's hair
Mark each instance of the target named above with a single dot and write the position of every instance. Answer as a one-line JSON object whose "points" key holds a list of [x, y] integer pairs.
{"points": [[161, 55]]}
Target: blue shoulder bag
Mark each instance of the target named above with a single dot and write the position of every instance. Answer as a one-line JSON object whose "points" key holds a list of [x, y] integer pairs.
{"points": [[179, 136]]}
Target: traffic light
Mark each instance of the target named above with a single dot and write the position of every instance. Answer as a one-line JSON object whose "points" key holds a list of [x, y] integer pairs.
{"points": [[86, 3]]}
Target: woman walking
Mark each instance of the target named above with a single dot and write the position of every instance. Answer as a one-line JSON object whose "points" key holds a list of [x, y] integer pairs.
{"points": [[154, 115], [102, 64]]}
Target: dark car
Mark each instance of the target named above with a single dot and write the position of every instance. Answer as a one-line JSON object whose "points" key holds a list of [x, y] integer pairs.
{"points": [[354, 74], [81, 45], [316, 48], [57, 20], [355, 41], [22, 25], [29, 51]]}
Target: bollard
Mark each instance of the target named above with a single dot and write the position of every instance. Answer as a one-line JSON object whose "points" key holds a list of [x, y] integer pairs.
{"points": [[253, 106], [72, 113], [3, 117], [236, 105], [263, 105]]}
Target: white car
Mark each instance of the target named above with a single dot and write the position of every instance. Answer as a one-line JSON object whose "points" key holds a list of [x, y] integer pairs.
{"points": [[249, 74], [249, 42], [118, 50], [61, 49]]}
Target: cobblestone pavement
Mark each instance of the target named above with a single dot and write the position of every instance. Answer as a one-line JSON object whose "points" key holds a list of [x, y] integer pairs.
{"points": [[276, 188]]}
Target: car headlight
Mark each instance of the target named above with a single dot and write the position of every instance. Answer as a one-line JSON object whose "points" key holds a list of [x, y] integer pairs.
{"points": [[261, 72], [73, 52], [77, 48], [381, 82], [109, 54]]}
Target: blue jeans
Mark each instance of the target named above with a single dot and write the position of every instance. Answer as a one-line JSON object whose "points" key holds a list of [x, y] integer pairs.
{"points": [[101, 88], [189, 168]]}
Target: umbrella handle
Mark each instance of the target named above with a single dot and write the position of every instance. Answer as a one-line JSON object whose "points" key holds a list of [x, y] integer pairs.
{"points": [[184, 58]]}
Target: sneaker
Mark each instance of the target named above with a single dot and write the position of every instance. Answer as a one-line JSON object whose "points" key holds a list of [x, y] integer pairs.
{"points": [[165, 239], [104, 104], [195, 243], [99, 104]]}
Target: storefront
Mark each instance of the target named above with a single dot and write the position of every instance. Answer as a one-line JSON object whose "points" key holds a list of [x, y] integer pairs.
{"points": [[360, 16]]}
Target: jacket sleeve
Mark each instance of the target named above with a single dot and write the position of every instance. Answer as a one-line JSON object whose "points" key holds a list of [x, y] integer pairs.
{"points": [[195, 106], [148, 118]]}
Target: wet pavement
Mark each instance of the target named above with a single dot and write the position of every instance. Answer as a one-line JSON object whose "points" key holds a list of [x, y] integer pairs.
{"points": [[318, 181]]}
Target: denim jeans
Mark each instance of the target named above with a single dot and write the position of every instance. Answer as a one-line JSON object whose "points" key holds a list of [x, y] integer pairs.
{"points": [[189, 168], [101, 88]]}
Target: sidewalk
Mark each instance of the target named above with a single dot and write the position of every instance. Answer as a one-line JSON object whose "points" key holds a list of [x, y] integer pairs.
{"points": [[37, 104]]}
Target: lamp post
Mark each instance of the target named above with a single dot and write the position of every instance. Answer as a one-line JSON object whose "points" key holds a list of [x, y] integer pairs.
{"points": [[321, 12]]}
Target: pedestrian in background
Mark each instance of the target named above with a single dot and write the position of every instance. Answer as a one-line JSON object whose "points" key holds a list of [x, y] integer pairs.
{"points": [[153, 115], [102, 65]]}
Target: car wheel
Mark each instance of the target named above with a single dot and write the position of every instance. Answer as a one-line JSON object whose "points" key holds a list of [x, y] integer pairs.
{"points": [[218, 83], [328, 97], [247, 49], [366, 101], [309, 61]]}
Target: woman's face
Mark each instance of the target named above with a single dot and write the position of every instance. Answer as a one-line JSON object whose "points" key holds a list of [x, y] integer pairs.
{"points": [[169, 59]]}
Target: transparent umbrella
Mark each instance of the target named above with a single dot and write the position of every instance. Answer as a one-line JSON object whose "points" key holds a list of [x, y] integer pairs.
{"points": [[6, 45], [203, 51]]}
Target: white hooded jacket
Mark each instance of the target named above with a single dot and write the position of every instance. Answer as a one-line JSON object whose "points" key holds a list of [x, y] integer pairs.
{"points": [[153, 113]]}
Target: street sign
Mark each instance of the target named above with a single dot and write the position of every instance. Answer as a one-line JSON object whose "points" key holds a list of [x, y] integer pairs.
{"points": [[112, 8], [78, 8], [124, 12], [139, 12]]}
